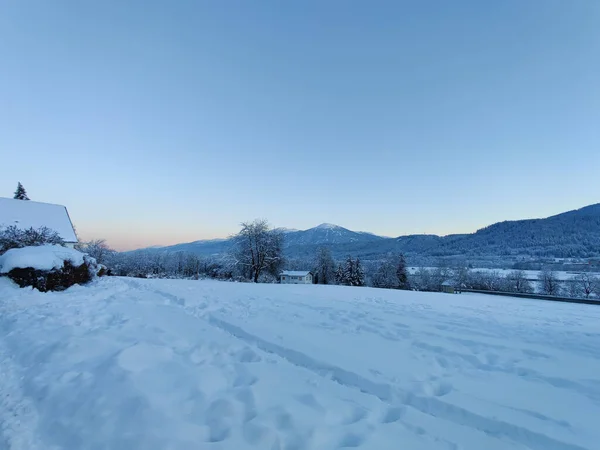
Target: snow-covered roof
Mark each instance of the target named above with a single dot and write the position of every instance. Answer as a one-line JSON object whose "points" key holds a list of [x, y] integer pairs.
{"points": [[27, 214], [296, 273], [448, 283]]}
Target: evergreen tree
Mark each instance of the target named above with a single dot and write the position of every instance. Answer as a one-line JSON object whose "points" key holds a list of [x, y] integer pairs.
{"points": [[358, 274], [348, 272], [20, 193], [339, 275], [401, 273]]}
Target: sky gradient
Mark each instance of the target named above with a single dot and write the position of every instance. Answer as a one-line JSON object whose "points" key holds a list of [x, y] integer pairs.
{"points": [[160, 122]]}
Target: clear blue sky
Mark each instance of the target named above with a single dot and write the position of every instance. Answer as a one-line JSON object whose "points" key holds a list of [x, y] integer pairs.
{"points": [[158, 122]]}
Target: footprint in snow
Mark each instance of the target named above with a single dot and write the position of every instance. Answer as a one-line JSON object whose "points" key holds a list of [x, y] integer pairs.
{"points": [[246, 397], [247, 355], [351, 440], [441, 389], [355, 415], [349, 415], [243, 377], [310, 401], [393, 414], [434, 388], [218, 415]]}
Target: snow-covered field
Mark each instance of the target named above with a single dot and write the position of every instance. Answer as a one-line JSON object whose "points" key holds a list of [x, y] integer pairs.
{"points": [[161, 364]]}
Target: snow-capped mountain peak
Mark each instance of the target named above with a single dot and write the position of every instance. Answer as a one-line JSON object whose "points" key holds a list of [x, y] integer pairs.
{"points": [[328, 226], [285, 230]]}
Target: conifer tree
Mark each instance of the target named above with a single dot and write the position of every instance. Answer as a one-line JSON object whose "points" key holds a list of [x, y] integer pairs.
{"points": [[401, 273], [358, 275], [339, 275], [20, 193], [347, 272]]}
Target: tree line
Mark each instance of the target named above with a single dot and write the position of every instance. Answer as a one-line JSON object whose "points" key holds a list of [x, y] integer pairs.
{"points": [[257, 256], [547, 282]]}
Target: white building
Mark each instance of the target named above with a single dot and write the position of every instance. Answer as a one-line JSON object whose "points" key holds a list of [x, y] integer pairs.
{"points": [[25, 214], [296, 277]]}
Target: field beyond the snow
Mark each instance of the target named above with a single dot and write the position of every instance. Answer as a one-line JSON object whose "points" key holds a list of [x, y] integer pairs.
{"points": [[167, 364]]}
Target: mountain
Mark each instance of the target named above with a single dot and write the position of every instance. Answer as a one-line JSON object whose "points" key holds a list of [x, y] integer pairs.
{"points": [[297, 243], [203, 248], [570, 234], [330, 234]]}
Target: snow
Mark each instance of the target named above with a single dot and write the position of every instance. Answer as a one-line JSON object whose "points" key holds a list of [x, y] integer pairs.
{"points": [[156, 364], [27, 214], [327, 226], [531, 275], [295, 273], [286, 230], [44, 257]]}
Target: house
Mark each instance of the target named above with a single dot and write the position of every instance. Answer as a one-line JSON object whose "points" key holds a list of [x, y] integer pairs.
{"points": [[448, 287], [296, 277], [25, 214]]}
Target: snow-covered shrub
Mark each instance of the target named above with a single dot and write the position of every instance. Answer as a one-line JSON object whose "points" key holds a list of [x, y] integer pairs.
{"points": [[13, 237], [48, 267], [267, 278]]}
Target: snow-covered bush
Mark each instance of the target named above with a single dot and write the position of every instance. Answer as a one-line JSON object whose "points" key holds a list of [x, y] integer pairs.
{"points": [[13, 237], [48, 267]]}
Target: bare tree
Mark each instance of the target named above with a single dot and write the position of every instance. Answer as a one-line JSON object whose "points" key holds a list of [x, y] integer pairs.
{"points": [[391, 273], [487, 281], [586, 284], [439, 275], [386, 275], [461, 277], [421, 279], [516, 281], [324, 266], [258, 249], [425, 279], [549, 282], [97, 249]]}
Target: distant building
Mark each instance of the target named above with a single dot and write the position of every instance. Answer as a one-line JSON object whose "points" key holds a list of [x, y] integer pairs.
{"points": [[25, 214], [296, 277], [448, 286]]}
